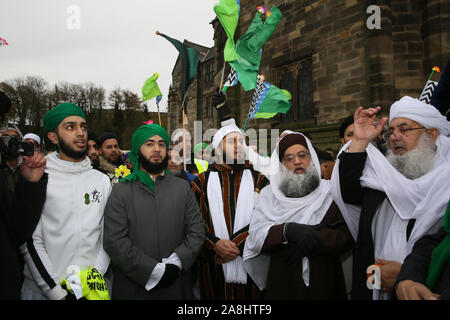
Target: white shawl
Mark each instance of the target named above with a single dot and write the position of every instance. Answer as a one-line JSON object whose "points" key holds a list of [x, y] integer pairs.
{"points": [[234, 270], [274, 208]]}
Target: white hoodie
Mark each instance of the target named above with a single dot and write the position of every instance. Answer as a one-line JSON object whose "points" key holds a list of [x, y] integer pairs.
{"points": [[69, 235]]}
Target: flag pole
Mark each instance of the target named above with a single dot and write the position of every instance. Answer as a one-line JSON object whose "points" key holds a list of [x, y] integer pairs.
{"points": [[183, 114], [223, 74], [246, 122], [159, 116], [435, 68]]}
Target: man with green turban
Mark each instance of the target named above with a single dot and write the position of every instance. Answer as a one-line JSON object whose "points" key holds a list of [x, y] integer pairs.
{"points": [[153, 225], [70, 230]]}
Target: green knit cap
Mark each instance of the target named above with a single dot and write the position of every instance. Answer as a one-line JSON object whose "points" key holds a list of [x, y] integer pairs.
{"points": [[142, 134], [54, 117]]}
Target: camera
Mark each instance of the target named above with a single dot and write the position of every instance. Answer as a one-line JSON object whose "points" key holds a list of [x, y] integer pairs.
{"points": [[10, 146]]}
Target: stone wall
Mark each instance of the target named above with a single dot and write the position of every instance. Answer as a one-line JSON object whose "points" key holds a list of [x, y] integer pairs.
{"points": [[351, 64]]}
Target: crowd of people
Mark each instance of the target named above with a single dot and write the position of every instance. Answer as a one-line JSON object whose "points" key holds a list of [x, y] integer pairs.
{"points": [[219, 221]]}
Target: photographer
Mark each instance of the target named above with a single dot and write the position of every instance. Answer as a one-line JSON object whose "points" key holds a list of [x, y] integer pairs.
{"points": [[11, 162], [22, 196], [19, 216]]}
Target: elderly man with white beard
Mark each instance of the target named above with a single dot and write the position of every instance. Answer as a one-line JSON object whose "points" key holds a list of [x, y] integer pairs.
{"points": [[297, 232], [392, 201]]}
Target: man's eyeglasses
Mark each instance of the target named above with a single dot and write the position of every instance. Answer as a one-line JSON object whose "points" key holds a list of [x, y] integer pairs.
{"points": [[402, 131], [302, 155]]}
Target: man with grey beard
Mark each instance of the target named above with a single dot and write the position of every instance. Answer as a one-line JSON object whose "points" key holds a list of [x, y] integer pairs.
{"points": [[417, 162], [295, 185], [390, 202], [297, 232]]}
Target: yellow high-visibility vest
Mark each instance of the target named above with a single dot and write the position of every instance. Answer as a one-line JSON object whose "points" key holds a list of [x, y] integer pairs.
{"points": [[202, 165]]}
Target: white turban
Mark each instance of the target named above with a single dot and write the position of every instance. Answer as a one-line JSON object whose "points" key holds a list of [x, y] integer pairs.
{"points": [[32, 136], [222, 132], [422, 113]]}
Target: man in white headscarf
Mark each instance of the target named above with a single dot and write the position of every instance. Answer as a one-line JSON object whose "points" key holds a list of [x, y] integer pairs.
{"points": [[297, 232], [392, 201], [226, 195]]}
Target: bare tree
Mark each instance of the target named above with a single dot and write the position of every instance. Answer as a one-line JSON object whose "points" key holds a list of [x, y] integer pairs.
{"points": [[29, 97]]}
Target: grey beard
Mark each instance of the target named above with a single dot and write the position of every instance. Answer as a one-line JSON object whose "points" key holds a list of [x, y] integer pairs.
{"points": [[417, 162], [294, 185]]}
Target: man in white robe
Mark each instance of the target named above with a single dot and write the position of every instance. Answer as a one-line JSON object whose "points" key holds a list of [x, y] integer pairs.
{"points": [[297, 232], [392, 201]]}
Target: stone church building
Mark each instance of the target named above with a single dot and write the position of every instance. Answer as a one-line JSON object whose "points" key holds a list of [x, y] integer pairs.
{"points": [[332, 58]]}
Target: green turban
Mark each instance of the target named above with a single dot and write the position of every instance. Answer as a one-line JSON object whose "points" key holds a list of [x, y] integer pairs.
{"points": [[142, 134], [54, 117]]}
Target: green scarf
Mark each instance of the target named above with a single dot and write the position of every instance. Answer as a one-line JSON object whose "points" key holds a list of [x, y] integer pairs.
{"points": [[142, 134], [441, 254], [54, 117]]}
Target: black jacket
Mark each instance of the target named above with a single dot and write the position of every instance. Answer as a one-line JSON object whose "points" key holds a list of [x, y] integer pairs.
{"points": [[351, 167], [415, 266], [19, 216]]}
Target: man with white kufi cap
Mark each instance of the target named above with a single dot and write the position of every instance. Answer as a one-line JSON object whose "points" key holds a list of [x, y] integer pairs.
{"points": [[226, 194], [34, 139], [390, 202]]}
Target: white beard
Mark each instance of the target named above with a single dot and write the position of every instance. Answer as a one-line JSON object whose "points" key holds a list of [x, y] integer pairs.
{"points": [[417, 162], [294, 185]]}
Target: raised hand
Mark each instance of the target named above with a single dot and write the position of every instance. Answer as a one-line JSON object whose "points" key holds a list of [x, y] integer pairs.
{"points": [[33, 168], [364, 129]]}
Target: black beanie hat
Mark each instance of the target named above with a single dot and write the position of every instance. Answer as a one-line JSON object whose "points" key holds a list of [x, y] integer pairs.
{"points": [[92, 136], [347, 121], [324, 156], [105, 136]]}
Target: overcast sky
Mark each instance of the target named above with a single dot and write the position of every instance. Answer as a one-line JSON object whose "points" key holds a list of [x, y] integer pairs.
{"points": [[115, 45]]}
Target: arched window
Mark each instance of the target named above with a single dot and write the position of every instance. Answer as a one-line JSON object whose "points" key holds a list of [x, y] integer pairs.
{"points": [[296, 77]]}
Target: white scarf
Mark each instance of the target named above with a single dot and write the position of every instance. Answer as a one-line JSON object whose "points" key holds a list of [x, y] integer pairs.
{"points": [[234, 270], [275, 208], [54, 162]]}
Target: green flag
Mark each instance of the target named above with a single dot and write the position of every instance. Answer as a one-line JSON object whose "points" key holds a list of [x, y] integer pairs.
{"points": [[151, 88], [228, 14], [276, 101], [268, 100], [189, 59], [249, 46]]}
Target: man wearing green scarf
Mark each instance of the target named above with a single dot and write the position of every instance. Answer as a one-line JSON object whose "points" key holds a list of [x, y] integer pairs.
{"points": [[153, 225], [425, 274]]}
